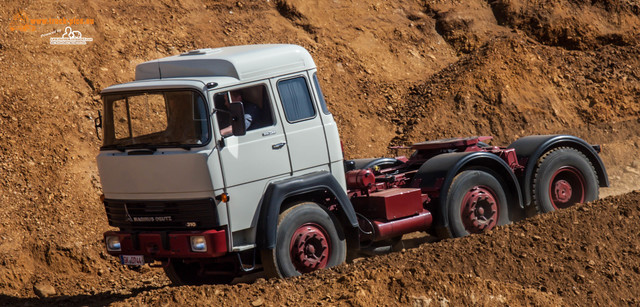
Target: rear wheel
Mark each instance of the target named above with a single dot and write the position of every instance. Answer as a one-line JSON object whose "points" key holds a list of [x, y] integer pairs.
{"points": [[308, 238], [476, 202], [563, 177], [183, 273]]}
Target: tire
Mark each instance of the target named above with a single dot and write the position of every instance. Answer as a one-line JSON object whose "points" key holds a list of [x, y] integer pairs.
{"points": [[476, 202], [181, 273], [308, 238], [563, 177]]}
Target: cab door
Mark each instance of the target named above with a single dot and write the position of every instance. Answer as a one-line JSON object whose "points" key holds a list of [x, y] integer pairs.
{"points": [[249, 162], [302, 124]]}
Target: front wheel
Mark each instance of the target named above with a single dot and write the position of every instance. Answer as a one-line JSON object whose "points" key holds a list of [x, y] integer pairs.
{"points": [[308, 238], [476, 202], [563, 177]]}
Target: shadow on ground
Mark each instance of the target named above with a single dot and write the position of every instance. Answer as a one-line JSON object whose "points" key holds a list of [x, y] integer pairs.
{"points": [[99, 299]]}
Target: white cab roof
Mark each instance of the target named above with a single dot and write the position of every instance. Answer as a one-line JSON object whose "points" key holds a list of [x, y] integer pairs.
{"points": [[244, 63]]}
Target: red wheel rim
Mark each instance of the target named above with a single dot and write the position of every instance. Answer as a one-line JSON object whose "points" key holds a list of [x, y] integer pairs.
{"points": [[566, 187], [310, 248], [479, 209]]}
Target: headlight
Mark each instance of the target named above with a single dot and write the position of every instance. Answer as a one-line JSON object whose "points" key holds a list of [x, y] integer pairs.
{"points": [[113, 243], [198, 244]]}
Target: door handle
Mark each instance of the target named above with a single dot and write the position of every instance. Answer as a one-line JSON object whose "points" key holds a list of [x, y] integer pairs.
{"points": [[278, 146]]}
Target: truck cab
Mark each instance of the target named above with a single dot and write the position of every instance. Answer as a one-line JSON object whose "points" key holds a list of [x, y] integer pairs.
{"points": [[166, 164]]}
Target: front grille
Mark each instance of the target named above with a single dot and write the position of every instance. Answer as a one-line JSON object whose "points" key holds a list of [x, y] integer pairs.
{"points": [[162, 215]]}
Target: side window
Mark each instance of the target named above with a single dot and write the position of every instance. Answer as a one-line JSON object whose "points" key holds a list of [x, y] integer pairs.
{"points": [[257, 108], [296, 99], [323, 103]]}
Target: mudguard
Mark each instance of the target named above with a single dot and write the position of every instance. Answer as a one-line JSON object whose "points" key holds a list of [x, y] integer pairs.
{"points": [[278, 192], [439, 171], [531, 148]]}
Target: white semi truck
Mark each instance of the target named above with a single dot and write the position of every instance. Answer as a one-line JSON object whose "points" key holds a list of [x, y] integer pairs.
{"points": [[220, 162]]}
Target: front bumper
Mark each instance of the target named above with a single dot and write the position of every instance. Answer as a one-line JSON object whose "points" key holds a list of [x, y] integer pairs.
{"points": [[158, 245]]}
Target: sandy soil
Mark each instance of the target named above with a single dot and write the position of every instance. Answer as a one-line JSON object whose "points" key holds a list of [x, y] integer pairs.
{"points": [[393, 73]]}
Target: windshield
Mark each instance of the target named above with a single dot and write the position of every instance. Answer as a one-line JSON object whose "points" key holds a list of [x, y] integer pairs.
{"points": [[155, 119]]}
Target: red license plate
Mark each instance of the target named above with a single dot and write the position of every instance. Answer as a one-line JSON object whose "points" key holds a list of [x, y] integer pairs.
{"points": [[132, 259]]}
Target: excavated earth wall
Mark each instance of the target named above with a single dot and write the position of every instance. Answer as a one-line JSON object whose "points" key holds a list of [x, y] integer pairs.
{"points": [[393, 72]]}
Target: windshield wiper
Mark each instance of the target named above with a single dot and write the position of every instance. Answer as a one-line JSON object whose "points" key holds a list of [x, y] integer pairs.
{"points": [[175, 144], [152, 147], [120, 148]]}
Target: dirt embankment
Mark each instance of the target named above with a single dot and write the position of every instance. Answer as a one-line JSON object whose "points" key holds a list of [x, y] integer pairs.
{"points": [[582, 256], [585, 255], [393, 73]]}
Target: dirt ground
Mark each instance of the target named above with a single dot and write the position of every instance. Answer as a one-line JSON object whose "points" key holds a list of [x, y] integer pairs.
{"points": [[393, 73]]}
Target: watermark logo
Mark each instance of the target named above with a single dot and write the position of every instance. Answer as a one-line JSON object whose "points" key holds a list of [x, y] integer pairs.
{"points": [[70, 37], [20, 22], [50, 33]]}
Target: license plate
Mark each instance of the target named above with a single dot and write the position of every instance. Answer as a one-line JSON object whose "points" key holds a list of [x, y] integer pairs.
{"points": [[132, 259]]}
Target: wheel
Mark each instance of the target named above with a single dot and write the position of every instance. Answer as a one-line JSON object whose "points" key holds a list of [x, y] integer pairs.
{"points": [[182, 273], [308, 238], [563, 177], [476, 202]]}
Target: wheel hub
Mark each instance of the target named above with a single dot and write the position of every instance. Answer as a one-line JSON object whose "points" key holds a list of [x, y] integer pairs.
{"points": [[562, 191], [479, 210], [310, 248], [566, 187]]}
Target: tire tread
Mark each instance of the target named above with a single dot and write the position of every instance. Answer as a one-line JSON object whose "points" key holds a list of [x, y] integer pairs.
{"points": [[534, 208]]}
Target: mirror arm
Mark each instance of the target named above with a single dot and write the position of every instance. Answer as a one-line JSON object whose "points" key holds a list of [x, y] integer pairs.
{"points": [[98, 124]]}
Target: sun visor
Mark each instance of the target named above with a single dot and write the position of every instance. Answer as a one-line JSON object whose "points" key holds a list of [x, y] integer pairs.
{"points": [[148, 70], [161, 69]]}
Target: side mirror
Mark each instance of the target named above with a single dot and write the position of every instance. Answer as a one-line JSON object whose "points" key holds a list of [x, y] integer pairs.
{"points": [[98, 124], [237, 118]]}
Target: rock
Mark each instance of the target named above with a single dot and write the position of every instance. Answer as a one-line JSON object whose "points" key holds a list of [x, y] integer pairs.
{"points": [[258, 302], [44, 289], [421, 301], [631, 170], [444, 302]]}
